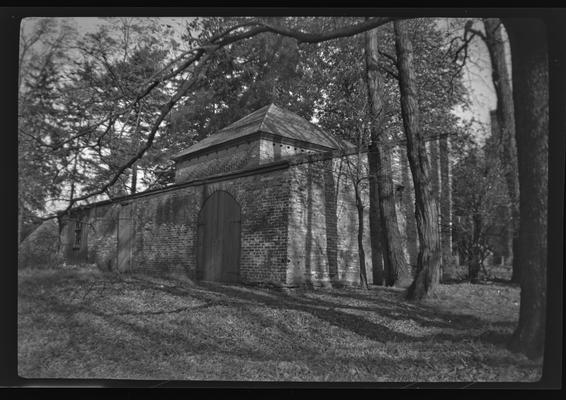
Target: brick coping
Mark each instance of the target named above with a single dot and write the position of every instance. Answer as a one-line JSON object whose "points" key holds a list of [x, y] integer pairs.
{"points": [[263, 168]]}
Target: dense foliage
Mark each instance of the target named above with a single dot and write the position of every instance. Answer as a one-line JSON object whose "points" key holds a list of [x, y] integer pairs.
{"points": [[81, 120]]}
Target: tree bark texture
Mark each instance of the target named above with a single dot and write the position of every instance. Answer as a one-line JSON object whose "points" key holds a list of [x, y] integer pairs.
{"points": [[509, 233], [396, 268], [376, 233], [409, 210], [426, 210], [361, 252], [396, 272], [529, 52], [434, 168], [505, 114]]}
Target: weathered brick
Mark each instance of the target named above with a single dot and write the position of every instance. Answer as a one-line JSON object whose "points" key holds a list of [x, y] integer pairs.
{"points": [[298, 219]]}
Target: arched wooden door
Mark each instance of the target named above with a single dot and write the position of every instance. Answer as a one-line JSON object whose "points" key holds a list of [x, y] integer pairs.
{"points": [[219, 239]]}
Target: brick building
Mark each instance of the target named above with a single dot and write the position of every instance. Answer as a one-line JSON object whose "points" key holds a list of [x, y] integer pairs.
{"points": [[265, 199]]}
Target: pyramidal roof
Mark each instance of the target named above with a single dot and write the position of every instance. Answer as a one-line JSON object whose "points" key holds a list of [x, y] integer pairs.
{"points": [[272, 120]]}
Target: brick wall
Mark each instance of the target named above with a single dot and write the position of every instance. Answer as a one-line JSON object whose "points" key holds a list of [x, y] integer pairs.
{"points": [[299, 224], [245, 154], [98, 236], [323, 224], [165, 232], [264, 200]]}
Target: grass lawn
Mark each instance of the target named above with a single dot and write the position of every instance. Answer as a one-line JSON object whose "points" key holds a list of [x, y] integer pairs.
{"points": [[82, 323]]}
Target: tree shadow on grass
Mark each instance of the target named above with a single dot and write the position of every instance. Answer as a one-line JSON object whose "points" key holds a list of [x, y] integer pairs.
{"points": [[327, 311], [393, 305], [195, 340], [244, 299], [142, 342]]}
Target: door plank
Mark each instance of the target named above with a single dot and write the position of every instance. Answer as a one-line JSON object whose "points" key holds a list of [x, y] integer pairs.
{"points": [[220, 238]]}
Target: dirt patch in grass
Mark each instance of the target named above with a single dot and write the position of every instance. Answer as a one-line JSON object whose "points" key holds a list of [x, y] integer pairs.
{"points": [[83, 323]]}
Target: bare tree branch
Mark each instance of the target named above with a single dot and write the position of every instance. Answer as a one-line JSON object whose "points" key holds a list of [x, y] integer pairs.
{"points": [[164, 112], [201, 56], [307, 37]]}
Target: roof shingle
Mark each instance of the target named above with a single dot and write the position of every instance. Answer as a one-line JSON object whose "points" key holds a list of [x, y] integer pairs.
{"points": [[273, 120]]}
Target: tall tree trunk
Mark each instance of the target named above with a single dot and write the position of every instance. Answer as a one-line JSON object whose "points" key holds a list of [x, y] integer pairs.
{"points": [[361, 253], [409, 209], [505, 114], [509, 232], [376, 232], [529, 52], [397, 272], [446, 209], [396, 268], [426, 211]]}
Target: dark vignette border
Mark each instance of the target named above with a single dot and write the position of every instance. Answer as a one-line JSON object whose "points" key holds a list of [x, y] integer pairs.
{"points": [[555, 19]]}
